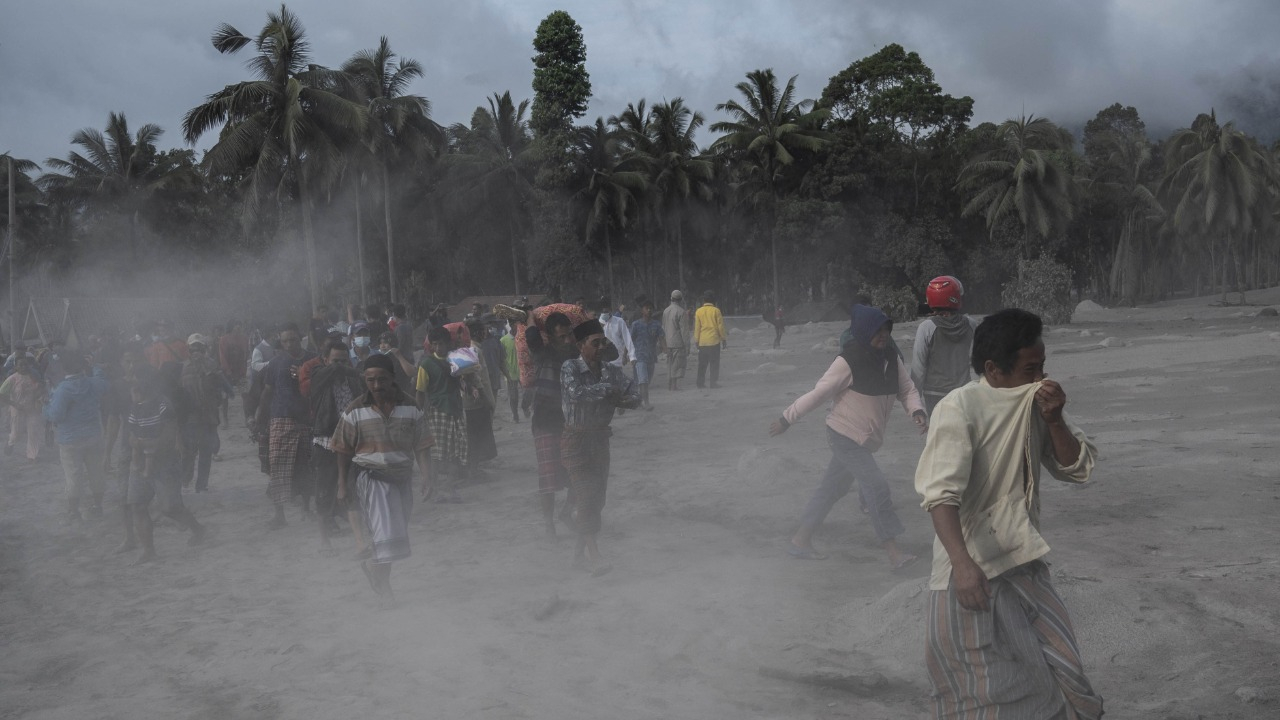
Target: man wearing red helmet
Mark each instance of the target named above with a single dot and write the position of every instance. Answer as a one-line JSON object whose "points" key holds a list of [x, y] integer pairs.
{"points": [[940, 359]]}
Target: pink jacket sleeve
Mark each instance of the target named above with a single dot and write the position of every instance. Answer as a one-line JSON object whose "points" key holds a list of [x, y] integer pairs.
{"points": [[907, 393], [832, 383]]}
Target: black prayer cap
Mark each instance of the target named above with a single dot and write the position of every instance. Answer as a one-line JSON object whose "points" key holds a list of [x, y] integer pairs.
{"points": [[380, 361], [587, 329]]}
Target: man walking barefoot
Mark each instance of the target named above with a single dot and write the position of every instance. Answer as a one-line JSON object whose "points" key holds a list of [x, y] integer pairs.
{"points": [[592, 390], [675, 330], [551, 347], [289, 426], [862, 384], [710, 336], [380, 436]]}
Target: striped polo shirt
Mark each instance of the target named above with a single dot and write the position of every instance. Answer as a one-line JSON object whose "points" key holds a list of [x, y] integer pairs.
{"points": [[381, 442]]}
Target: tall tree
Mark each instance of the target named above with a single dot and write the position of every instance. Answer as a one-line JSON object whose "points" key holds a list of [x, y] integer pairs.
{"points": [[1111, 123], [284, 129], [677, 174], [492, 168], [610, 185], [115, 174], [1216, 181], [893, 96], [1020, 177], [561, 84], [1124, 177], [763, 136], [400, 128]]}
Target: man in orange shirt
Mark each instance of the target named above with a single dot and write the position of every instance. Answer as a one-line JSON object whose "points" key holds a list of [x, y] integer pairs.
{"points": [[710, 337], [165, 348]]}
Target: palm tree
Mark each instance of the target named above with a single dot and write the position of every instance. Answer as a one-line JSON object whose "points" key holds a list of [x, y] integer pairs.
{"points": [[1020, 176], [285, 127], [16, 175], [1216, 180], [400, 125], [492, 165], [677, 173], [763, 136], [1124, 178], [116, 172], [612, 186]]}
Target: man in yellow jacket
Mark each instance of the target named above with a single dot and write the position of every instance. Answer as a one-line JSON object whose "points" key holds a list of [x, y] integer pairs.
{"points": [[710, 337]]}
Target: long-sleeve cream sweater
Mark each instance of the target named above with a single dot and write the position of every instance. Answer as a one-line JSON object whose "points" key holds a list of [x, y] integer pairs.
{"points": [[983, 454]]}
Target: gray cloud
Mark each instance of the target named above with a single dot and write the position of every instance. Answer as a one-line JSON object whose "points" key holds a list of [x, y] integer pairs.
{"points": [[66, 64]]}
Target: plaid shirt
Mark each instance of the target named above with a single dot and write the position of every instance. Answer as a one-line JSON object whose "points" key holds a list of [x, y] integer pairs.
{"points": [[588, 399], [380, 442]]}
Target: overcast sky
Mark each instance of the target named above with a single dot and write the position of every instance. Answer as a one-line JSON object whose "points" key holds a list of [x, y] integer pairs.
{"points": [[64, 64]]}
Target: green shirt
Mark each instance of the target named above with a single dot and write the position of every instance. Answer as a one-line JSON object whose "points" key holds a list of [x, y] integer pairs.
{"points": [[443, 391], [509, 350]]}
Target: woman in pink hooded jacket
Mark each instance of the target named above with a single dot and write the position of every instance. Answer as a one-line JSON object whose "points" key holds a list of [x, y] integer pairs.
{"points": [[862, 384]]}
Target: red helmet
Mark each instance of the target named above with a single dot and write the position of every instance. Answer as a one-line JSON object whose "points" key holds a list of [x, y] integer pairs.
{"points": [[944, 293]]}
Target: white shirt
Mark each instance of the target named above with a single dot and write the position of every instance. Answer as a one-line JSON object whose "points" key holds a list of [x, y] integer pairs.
{"points": [[615, 329]]}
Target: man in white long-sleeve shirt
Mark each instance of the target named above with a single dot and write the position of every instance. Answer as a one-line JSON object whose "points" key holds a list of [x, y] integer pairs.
{"points": [[616, 332], [262, 353]]}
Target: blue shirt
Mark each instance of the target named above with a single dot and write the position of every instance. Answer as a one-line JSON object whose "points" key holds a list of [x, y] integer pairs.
{"points": [[286, 399], [644, 335], [75, 407]]}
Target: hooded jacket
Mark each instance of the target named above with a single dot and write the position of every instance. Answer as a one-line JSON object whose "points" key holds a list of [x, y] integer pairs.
{"points": [[75, 407], [861, 400], [940, 359]]}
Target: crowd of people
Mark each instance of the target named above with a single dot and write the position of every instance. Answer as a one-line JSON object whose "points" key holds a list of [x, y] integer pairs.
{"points": [[349, 412]]}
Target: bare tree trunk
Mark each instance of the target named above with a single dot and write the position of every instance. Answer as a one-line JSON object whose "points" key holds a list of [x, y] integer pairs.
{"points": [[360, 248], [680, 255], [515, 263], [308, 235], [608, 258], [13, 241], [391, 251], [773, 249]]}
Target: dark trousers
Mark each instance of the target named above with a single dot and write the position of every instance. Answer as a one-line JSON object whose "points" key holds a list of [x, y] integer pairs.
{"points": [[850, 461], [324, 465], [200, 442], [708, 357]]}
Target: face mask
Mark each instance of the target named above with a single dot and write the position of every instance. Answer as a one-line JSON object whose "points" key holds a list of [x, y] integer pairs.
{"points": [[362, 341]]}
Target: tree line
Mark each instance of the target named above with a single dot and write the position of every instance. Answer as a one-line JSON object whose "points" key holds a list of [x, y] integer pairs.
{"points": [[875, 186]]}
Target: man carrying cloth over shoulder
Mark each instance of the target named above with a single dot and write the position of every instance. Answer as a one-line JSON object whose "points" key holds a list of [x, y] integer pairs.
{"points": [[379, 437], [999, 640], [591, 390]]}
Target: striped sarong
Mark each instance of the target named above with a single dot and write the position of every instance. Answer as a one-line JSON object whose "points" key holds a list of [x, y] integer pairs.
{"points": [[552, 476], [585, 454], [387, 506], [1018, 661], [287, 455], [450, 434]]}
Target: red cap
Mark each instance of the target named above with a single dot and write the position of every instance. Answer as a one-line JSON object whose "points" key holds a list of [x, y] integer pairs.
{"points": [[945, 293]]}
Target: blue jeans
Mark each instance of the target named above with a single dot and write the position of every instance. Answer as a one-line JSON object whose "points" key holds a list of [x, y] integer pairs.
{"points": [[849, 460]]}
